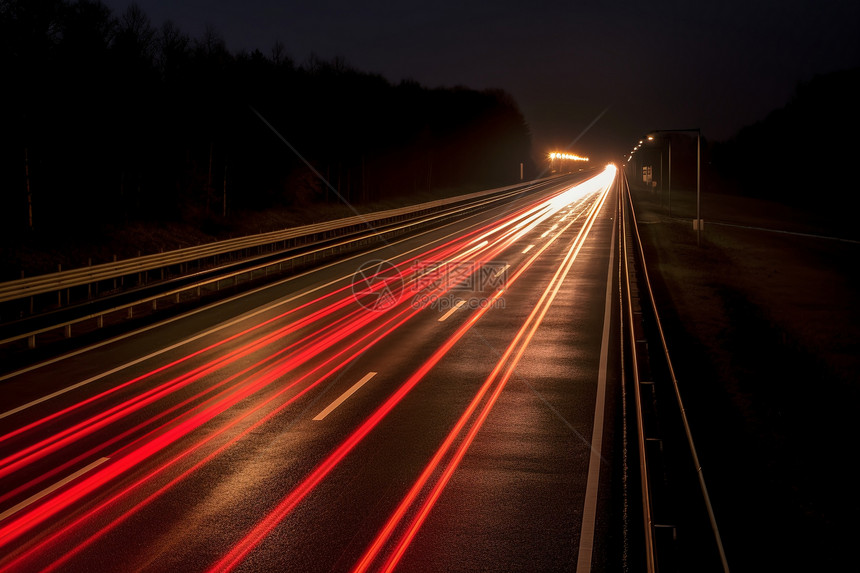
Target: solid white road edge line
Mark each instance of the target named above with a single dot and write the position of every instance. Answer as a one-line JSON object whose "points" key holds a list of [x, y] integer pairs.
{"points": [[589, 512]]}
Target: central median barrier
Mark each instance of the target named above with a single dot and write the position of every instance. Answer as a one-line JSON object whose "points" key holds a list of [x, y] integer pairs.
{"points": [[57, 301]]}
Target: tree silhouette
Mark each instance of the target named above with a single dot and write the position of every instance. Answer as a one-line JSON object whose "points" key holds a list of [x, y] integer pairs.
{"points": [[122, 120], [799, 149]]}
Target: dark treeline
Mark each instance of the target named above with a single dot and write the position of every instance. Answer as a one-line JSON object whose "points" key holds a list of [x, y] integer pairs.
{"points": [[112, 118], [804, 150]]}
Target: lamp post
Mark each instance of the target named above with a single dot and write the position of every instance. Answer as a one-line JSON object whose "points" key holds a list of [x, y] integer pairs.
{"points": [[698, 223], [668, 173]]}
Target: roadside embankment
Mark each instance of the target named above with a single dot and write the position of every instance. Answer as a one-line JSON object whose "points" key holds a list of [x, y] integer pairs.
{"points": [[48, 250], [763, 322]]}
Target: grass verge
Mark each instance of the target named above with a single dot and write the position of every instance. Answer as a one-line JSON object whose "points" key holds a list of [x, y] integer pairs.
{"points": [[762, 326]]}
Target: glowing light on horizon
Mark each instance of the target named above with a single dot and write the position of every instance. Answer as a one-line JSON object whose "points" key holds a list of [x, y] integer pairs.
{"points": [[569, 156]]}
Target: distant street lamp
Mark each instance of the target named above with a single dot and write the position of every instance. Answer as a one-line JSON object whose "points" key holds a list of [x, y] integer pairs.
{"points": [[668, 173], [697, 223]]}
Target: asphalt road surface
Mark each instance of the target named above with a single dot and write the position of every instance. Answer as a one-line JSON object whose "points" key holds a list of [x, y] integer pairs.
{"points": [[441, 403]]}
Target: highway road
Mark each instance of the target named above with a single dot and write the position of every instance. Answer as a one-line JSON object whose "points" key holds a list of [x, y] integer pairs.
{"points": [[446, 402]]}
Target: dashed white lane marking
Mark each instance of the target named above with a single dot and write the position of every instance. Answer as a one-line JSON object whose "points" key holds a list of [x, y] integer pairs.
{"points": [[33, 499], [454, 309], [342, 398]]}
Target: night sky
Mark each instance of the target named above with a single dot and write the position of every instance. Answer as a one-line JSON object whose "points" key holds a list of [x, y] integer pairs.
{"points": [[654, 65]]}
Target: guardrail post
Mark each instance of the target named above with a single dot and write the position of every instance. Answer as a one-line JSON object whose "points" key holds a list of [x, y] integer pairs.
{"points": [[31, 342], [67, 330], [100, 321], [130, 312], [32, 302]]}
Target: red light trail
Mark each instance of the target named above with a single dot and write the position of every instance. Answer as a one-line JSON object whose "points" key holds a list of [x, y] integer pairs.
{"points": [[263, 528], [334, 332]]}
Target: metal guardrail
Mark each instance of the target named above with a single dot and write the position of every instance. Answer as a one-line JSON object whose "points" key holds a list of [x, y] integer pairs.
{"points": [[646, 296], [630, 321], [53, 282], [419, 215]]}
